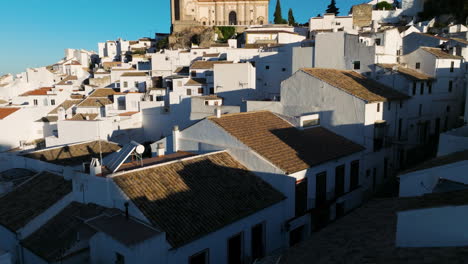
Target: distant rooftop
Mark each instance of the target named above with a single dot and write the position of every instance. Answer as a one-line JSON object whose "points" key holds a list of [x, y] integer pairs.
{"points": [[76, 154]]}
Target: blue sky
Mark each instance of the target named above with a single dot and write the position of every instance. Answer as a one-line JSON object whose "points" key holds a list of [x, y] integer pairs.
{"points": [[35, 32]]}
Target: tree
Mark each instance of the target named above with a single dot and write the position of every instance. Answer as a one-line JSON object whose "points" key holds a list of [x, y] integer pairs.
{"points": [[384, 6], [291, 19], [278, 16], [332, 9]]}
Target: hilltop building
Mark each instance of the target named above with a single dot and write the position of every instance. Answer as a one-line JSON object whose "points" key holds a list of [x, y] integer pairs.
{"points": [[185, 13]]}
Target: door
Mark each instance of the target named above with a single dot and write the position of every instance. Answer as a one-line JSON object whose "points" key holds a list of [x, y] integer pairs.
{"points": [[339, 210], [295, 236], [321, 189], [258, 242], [339, 181], [235, 249], [301, 197]]}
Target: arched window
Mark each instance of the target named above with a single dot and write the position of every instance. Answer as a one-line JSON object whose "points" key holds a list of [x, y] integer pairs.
{"points": [[232, 18]]}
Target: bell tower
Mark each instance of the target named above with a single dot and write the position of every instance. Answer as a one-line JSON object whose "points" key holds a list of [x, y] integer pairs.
{"points": [[176, 10]]}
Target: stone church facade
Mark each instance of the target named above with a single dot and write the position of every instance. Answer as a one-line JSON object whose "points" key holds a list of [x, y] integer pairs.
{"points": [[219, 12]]}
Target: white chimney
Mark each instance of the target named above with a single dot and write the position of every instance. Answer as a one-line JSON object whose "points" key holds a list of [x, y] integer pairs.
{"points": [[160, 150], [175, 138], [95, 167], [61, 113], [218, 112]]}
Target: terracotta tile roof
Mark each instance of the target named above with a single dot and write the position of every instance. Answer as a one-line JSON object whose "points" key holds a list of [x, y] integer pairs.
{"points": [[83, 117], [77, 96], [60, 233], [356, 84], [202, 65], [134, 74], [190, 198], [48, 119], [76, 154], [407, 72], [196, 82], [16, 175], [126, 231], [433, 200], [440, 54], [67, 104], [432, 36], [68, 80], [287, 147], [102, 92], [211, 55], [6, 111], [366, 235], [31, 199], [439, 161], [128, 113], [182, 70], [463, 41], [95, 102], [111, 63], [40, 91], [3, 101]]}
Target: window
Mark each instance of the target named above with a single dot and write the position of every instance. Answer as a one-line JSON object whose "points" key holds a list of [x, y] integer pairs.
{"points": [[378, 42], [354, 172], [136, 84], [450, 88], [452, 66], [267, 67], [125, 85], [199, 258], [421, 91], [211, 90], [189, 91], [258, 241], [159, 98], [357, 65], [235, 254], [52, 102], [420, 109], [301, 197], [35, 102], [119, 258], [200, 90], [379, 135], [418, 65], [194, 74], [284, 69], [429, 87], [414, 87], [339, 181], [338, 23], [400, 124], [321, 189], [378, 107]]}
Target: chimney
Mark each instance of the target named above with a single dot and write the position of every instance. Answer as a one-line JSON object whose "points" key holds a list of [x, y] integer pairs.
{"points": [[95, 167], [218, 112], [61, 113], [175, 139], [160, 150]]}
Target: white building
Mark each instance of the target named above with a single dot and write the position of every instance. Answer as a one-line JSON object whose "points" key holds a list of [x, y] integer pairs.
{"points": [[322, 171], [330, 22]]}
